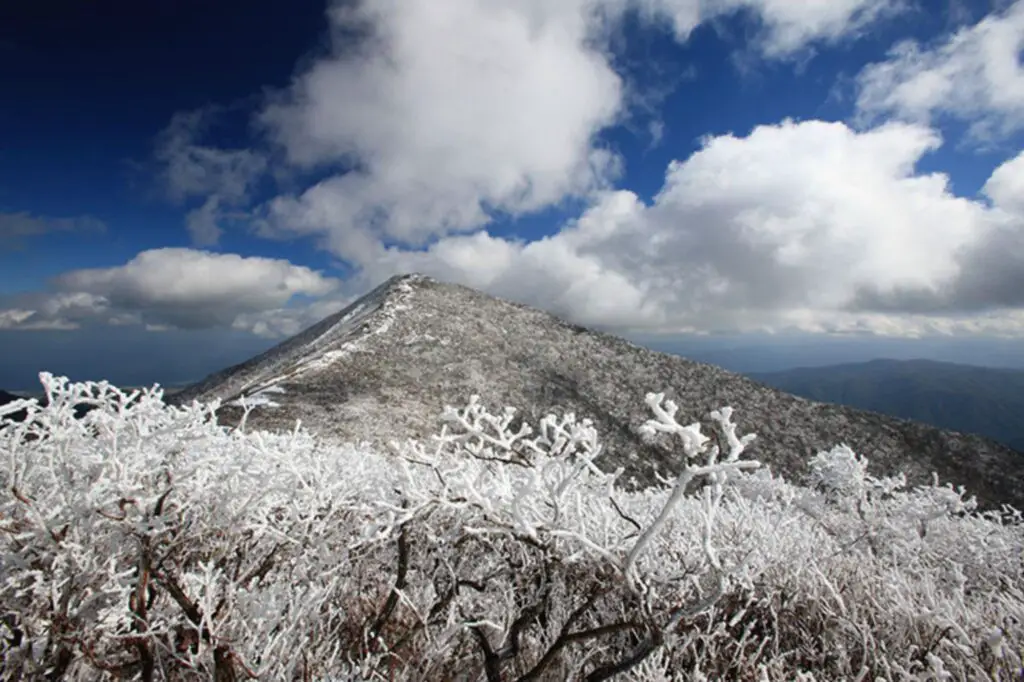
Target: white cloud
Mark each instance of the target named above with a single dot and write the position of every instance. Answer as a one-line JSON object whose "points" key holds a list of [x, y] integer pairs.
{"points": [[809, 226], [974, 75], [181, 288], [453, 110], [223, 177], [57, 310], [793, 24], [283, 322], [789, 26], [12, 318], [799, 226], [990, 277], [1005, 187], [427, 118], [448, 112]]}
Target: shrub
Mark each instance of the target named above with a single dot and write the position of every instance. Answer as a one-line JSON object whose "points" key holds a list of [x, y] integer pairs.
{"points": [[142, 541]]}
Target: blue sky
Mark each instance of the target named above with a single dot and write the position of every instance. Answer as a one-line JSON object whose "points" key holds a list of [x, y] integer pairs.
{"points": [[184, 183]]}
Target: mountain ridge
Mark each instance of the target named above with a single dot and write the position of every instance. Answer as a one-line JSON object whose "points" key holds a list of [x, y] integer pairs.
{"points": [[311, 339], [384, 367], [955, 396]]}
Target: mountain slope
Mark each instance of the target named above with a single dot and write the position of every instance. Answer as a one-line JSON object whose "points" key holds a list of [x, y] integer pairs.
{"points": [[385, 367], [965, 398]]}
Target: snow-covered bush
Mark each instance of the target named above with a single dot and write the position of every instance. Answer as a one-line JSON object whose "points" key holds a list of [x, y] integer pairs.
{"points": [[142, 541]]}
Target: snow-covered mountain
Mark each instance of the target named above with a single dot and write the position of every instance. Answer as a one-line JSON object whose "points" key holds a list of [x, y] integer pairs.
{"points": [[384, 368]]}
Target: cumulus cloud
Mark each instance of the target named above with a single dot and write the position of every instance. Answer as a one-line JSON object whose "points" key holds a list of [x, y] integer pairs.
{"points": [[13, 318], [991, 268], [974, 75], [448, 111], [223, 178], [445, 114], [1005, 187], [16, 228], [811, 226], [172, 287], [51, 310], [426, 120], [807, 226], [276, 323]]}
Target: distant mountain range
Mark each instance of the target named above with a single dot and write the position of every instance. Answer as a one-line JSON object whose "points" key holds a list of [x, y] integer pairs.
{"points": [[384, 368], [964, 398]]}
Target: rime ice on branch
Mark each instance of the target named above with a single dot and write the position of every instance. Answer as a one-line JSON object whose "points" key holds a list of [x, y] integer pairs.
{"points": [[148, 542]]}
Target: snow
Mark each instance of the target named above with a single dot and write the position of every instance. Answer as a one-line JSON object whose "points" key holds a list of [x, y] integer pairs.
{"points": [[311, 351], [260, 398], [494, 544], [420, 344], [567, 534]]}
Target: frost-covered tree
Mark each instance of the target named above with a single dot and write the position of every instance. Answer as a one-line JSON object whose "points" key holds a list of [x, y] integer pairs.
{"points": [[142, 541]]}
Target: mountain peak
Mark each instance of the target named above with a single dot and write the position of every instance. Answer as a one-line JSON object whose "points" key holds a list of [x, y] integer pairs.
{"points": [[314, 348], [385, 367]]}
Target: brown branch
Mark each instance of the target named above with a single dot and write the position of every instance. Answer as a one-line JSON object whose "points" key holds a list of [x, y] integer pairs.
{"points": [[656, 636], [492, 658], [569, 622], [400, 584], [57, 536], [566, 638], [263, 569], [572, 638], [625, 516], [645, 648], [158, 508], [223, 658], [530, 614], [504, 460], [60, 627], [191, 610], [120, 669], [138, 603], [21, 497], [492, 664], [223, 670]]}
